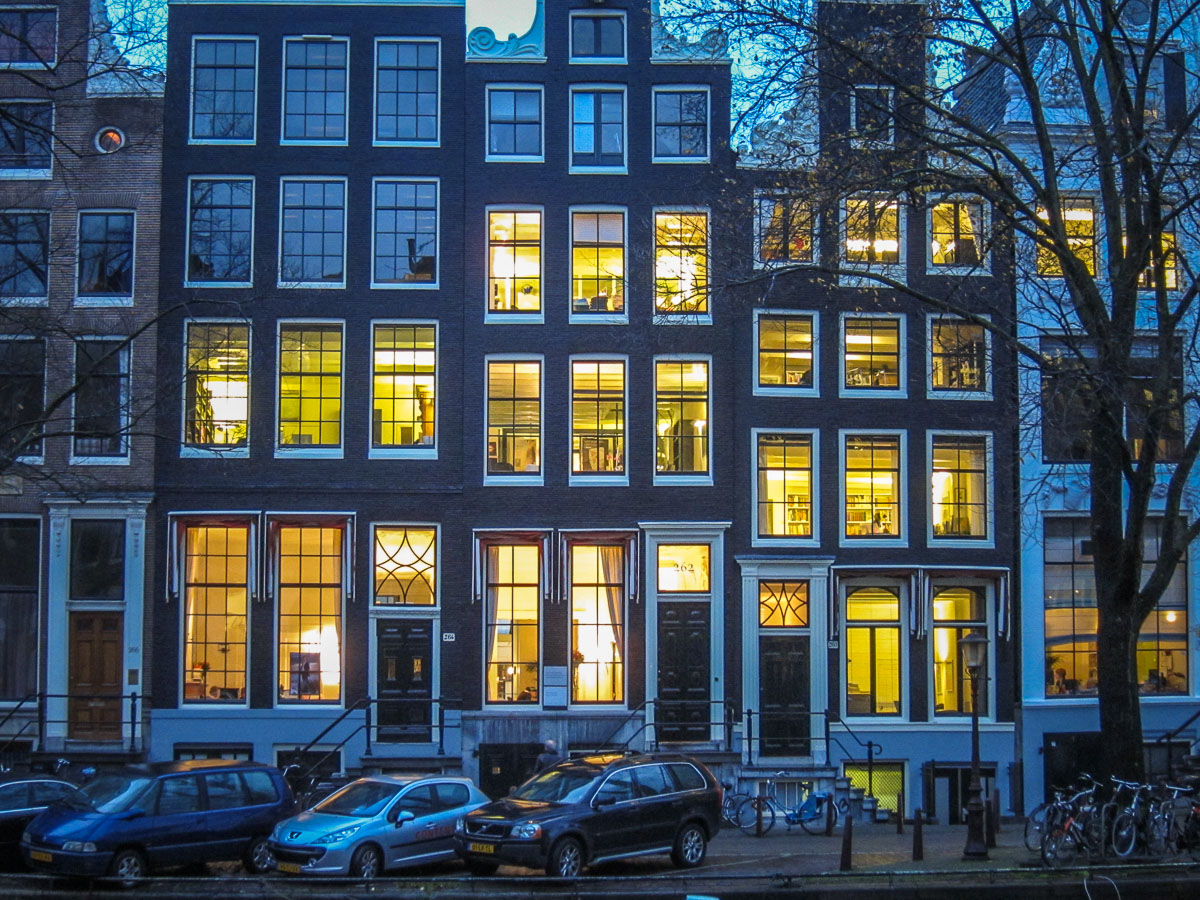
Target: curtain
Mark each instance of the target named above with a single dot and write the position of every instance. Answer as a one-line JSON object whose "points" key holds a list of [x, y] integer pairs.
{"points": [[18, 643], [612, 564]]}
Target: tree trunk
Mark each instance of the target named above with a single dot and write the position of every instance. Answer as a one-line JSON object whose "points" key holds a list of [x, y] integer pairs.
{"points": [[1120, 703]]}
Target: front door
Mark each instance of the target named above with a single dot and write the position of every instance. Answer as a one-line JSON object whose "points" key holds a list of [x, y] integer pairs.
{"points": [[783, 694], [94, 708], [683, 672], [405, 680]]}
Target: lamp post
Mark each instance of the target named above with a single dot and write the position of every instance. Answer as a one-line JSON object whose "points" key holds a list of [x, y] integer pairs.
{"points": [[974, 648]]}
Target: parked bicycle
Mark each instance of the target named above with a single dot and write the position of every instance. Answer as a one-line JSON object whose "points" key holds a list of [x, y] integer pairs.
{"points": [[730, 803], [757, 815], [1074, 825]]}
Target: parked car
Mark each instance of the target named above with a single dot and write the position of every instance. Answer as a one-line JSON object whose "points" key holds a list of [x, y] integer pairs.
{"points": [[373, 824], [22, 797], [595, 808], [127, 822]]}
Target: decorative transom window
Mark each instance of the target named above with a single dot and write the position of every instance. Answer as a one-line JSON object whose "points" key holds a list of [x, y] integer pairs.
{"points": [[405, 565], [404, 381], [684, 568], [217, 385], [224, 77], [314, 95], [785, 485], [783, 604], [873, 652]]}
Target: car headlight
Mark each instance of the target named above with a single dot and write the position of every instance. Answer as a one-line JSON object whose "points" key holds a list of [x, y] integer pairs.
{"points": [[527, 831], [27, 838], [79, 846], [340, 835], [460, 824]]}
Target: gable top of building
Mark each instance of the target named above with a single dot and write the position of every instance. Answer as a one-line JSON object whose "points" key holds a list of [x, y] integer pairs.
{"points": [[110, 73]]}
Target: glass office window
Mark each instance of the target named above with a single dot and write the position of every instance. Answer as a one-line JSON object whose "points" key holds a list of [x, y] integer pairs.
{"points": [[597, 623], [217, 388], [404, 407], [873, 652], [681, 262], [310, 386], [220, 230], [215, 612], [872, 485], [311, 571], [871, 348], [406, 232], [514, 417], [513, 622], [872, 230], [785, 485], [959, 487], [314, 97], [682, 418], [597, 262], [406, 91], [598, 417], [515, 261]]}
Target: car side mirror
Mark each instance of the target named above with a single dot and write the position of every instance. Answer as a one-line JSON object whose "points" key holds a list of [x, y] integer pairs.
{"points": [[131, 814], [603, 801], [405, 815]]}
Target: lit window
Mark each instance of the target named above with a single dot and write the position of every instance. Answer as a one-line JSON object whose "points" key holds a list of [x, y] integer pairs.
{"points": [[403, 402], [872, 485], [406, 91], [314, 97], [24, 256], [785, 351], [223, 89], [783, 229], [513, 606], [20, 550], [957, 355], [311, 571], [872, 230], [683, 568], [101, 398], [1079, 226], [310, 386], [872, 353], [220, 231], [681, 262], [515, 262], [597, 417], [313, 233], [959, 487], [783, 604], [872, 652], [27, 37], [26, 136], [957, 613], [217, 398], [871, 115], [515, 122], [22, 396], [1169, 252], [598, 262], [405, 566], [956, 233], [681, 427], [680, 124], [785, 485], [406, 232], [597, 37], [598, 128], [215, 611], [597, 623], [105, 254], [97, 559], [514, 403]]}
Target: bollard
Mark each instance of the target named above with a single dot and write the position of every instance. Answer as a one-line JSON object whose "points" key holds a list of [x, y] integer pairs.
{"points": [[759, 803], [830, 816], [989, 823], [918, 837], [996, 807], [900, 813], [847, 838]]}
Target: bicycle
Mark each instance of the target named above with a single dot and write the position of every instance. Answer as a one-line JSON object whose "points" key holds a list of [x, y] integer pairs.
{"points": [[1130, 823], [1077, 827], [730, 802], [1164, 831], [757, 814]]}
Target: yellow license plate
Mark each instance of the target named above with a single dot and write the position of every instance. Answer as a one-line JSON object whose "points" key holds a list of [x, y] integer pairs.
{"points": [[482, 848], [289, 867], [40, 856]]}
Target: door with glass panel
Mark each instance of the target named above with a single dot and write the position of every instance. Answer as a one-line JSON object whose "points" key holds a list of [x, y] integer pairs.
{"points": [[405, 680]]}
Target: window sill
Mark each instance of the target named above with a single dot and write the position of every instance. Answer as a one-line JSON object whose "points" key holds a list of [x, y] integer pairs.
{"points": [[890, 271], [983, 270], [598, 170], [218, 284], [530, 480], [871, 393], [680, 160], [672, 318], [24, 301], [943, 394], [311, 285], [768, 264], [223, 142], [25, 174], [289, 452], [890, 543], [100, 302], [196, 452], [614, 480], [781, 541], [773, 391], [313, 142], [434, 144], [667, 480], [493, 158], [962, 543], [514, 318], [423, 451], [99, 460], [598, 319], [597, 61], [405, 286]]}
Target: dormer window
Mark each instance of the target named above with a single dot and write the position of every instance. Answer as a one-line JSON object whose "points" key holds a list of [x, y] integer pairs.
{"points": [[597, 37]]}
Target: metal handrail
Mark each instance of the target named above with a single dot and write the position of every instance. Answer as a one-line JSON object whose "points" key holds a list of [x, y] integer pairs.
{"points": [[14, 710], [133, 719], [1171, 735], [653, 726], [827, 738]]}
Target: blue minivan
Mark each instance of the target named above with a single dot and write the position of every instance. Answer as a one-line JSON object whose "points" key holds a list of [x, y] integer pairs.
{"points": [[163, 814]]}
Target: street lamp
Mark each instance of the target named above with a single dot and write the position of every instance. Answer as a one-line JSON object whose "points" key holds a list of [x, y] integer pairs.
{"points": [[974, 649]]}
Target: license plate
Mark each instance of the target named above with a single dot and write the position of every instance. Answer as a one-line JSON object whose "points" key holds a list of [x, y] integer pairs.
{"points": [[289, 867], [482, 848], [40, 856]]}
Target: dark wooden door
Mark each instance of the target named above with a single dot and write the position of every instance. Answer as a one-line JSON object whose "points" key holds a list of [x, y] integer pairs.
{"points": [[405, 680], [783, 694], [95, 675], [683, 672]]}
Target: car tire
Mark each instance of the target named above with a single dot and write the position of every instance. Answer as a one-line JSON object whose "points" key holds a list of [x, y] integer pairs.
{"points": [[366, 863], [257, 860], [482, 869], [566, 859], [691, 845], [128, 868]]}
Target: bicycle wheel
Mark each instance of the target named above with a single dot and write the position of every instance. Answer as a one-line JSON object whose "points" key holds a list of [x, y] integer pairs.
{"points": [[1058, 847], [1033, 827], [748, 814], [729, 806], [1124, 833], [814, 822], [1158, 833]]}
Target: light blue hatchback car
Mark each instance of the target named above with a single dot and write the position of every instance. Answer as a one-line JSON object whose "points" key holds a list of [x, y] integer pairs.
{"points": [[374, 824]]}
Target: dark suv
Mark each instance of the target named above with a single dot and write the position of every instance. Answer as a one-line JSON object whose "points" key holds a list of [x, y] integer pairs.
{"points": [[595, 808]]}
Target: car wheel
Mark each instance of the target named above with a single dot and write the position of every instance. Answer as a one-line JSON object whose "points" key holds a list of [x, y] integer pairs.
{"points": [[482, 869], [690, 846], [258, 859], [566, 859], [128, 868], [366, 863]]}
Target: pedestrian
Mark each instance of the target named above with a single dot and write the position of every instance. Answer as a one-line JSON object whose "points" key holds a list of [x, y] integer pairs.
{"points": [[548, 757]]}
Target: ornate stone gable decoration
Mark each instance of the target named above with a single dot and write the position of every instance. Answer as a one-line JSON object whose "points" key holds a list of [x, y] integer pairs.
{"points": [[482, 42]]}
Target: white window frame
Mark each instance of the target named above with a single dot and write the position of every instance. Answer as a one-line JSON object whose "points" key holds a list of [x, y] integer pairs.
{"points": [[901, 390], [437, 235], [862, 143], [300, 451], [187, 450], [514, 318], [104, 300], [704, 89], [784, 391], [629, 548], [187, 245], [598, 60], [415, 452], [43, 300], [283, 65], [597, 88], [192, 139], [668, 318], [313, 285], [38, 458], [984, 267], [611, 318], [376, 140], [900, 540], [757, 540], [985, 543], [896, 270], [517, 480], [41, 65], [940, 394], [540, 89], [580, 479], [481, 540], [902, 588], [944, 579], [123, 458], [705, 479], [1099, 255], [788, 197], [33, 174]]}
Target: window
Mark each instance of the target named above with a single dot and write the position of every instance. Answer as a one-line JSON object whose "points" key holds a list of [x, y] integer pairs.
{"points": [[312, 244], [956, 233], [597, 38], [310, 386], [311, 570], [873, 652], [512, 621], [24, 256], [217, 389], [597, 417], [682, 417], [681, 262], [404, 383], [406, 233], [957, 612], [1071, 616], [873, 487], [597, 262], [959, 487], [22, 396], [405, 565], [220, 231], [314, 92], [684, 568], [783, 229], [871, 115], [101, 398], [27, 37], [26, 137], [783, 604], [98, 559], [105, 254], [1079, 226], [872, 230], [598, 128], [680, 125], [785, 485], [216, 578], [597, 623], [515, 261], [225, 790], [514, 417], [406, 92], [514, 123], [871, 353], [20, 551], [786, 351], [1168, 250], [958, 356], [224, 76], [178, 796]]}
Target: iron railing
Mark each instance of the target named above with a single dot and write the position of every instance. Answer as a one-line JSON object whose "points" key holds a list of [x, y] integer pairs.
{"points": [[755, 740], [128, 730]]}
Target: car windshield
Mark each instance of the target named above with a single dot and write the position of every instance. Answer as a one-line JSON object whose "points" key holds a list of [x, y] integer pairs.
{"points": [[361, 800], [115, 793], [562, 784]]}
